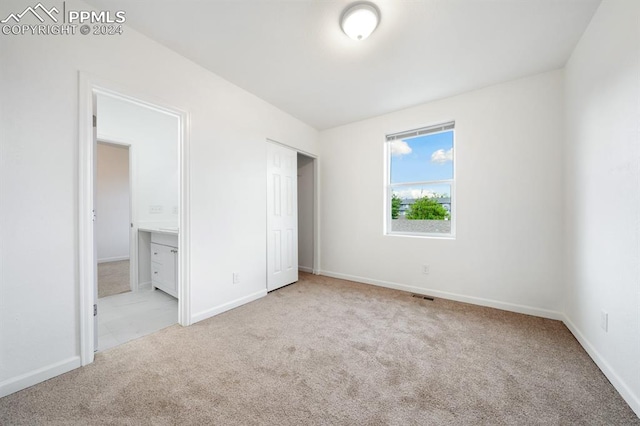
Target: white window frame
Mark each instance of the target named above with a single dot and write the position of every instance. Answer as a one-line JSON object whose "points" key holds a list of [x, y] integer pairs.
{"points": [[388, 186]]}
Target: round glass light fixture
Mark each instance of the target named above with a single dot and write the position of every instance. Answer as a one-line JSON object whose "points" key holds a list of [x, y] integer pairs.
{"points": [[359, 20]]}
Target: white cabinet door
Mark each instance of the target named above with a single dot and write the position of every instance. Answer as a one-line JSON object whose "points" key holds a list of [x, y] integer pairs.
{"points": [[282, 216], [169, 271]]}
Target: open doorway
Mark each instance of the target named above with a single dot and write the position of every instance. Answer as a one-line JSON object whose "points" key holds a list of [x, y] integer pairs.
{"points": [[169, 220], [113, 201], [136, 219], [306, 213]]}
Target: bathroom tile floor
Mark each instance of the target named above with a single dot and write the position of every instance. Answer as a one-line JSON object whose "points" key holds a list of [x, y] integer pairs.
{"points": [[127, 316]]}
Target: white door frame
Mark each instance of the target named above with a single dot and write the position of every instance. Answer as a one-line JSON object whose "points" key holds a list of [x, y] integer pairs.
{"points": [[89, 86], [316, 203], [133, 208]]}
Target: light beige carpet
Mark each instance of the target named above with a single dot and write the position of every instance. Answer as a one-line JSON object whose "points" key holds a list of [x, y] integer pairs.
{"points": [[325, 351], [113, 278]]}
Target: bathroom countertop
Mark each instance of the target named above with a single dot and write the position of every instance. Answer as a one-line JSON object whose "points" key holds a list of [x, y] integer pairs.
{"points": [[160, 230]]}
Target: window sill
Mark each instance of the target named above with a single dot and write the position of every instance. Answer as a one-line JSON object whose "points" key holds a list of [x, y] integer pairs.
{"points": [[416, 235]]}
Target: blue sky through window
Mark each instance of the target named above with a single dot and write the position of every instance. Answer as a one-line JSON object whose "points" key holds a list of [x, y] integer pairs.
{"points": [[423, 158]]}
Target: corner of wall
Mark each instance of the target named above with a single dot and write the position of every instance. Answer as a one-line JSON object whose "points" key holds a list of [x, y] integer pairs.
{"points": [[625, 391]]}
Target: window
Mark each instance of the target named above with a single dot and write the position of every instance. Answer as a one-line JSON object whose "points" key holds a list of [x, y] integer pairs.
{"points": [[420, 184]]}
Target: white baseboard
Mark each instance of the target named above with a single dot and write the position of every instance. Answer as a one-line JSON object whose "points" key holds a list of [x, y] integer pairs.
{"points": [[305, 269], [627, 394], [113, 259], [505, 306], [227, 306], [31, 378]]}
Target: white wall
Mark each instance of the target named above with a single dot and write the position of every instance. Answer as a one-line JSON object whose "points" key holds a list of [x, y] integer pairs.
{"points": [[39, 318], [112, 203], [154, 137], [603, 193], [305, 212], [508, 249]]}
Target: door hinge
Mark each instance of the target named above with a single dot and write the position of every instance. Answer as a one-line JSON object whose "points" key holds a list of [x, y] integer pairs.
{"points": [[95, 121], [95, 310]]}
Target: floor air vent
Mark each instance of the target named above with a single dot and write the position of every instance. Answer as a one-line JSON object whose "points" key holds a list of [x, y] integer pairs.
{"points": [[420, 296]]}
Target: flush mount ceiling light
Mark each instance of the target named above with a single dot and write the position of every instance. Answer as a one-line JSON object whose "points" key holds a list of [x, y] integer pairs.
{"points": [[360, 20]]}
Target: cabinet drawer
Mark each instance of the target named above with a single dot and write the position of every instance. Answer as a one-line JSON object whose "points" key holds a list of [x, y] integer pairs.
{"points": [[156, 272], [156, 252]]}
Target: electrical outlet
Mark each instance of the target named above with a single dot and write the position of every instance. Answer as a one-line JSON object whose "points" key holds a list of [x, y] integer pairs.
{"points": [[425, 269], [604, 320], [156, 209], [236, 278]]}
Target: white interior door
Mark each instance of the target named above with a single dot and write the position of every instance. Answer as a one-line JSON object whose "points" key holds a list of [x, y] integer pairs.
{"points": [[282, 216]]}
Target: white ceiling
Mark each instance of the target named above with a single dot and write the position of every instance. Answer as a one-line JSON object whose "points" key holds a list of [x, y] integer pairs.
{"points": [[293, 54]]}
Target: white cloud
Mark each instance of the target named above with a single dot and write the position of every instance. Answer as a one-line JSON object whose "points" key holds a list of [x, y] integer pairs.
{"points": [[441, 156], [399, 148], [413, 193]]}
